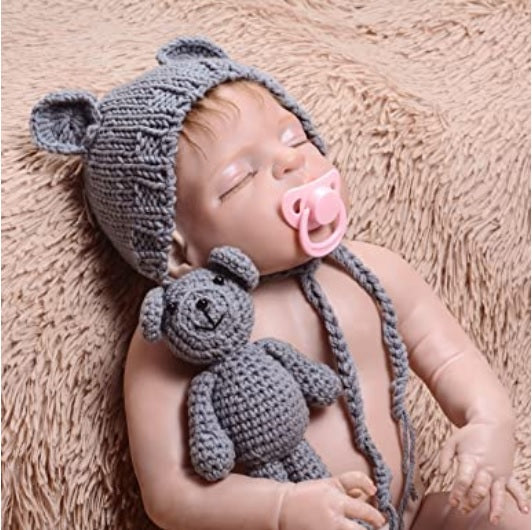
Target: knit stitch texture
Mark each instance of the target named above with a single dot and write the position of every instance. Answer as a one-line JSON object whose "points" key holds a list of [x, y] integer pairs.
{"points": [[129, 141], [249, 405]]}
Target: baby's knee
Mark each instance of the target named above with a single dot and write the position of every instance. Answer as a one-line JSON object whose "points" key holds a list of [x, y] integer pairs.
{"points": [[511, 517]]}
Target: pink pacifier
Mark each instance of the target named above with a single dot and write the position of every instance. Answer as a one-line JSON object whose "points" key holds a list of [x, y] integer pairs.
{"points": [[316, 204]]}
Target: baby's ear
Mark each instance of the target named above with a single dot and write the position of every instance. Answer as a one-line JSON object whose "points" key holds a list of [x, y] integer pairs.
{"points": [[65, 122], [194, 47], [151, 314], [234, 261]]}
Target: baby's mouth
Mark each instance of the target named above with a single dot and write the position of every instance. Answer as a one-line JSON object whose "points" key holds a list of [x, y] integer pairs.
{"points": [[213, 324], [319, 232]]}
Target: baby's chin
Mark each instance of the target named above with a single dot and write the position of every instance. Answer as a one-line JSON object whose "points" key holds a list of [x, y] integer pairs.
{"points": [[285, 265], [295, 256]]}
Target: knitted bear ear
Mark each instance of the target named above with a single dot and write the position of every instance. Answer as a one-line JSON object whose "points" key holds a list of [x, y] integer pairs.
{"points": [[235, 262], [65, 122], [151, 314], [184, 48]]}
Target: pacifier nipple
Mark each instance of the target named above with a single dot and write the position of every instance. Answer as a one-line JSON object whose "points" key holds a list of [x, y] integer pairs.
{"points": [[317, 203], [323, 205]]}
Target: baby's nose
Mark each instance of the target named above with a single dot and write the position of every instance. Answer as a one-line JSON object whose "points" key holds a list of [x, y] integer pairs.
{"points": [[288, 161]]}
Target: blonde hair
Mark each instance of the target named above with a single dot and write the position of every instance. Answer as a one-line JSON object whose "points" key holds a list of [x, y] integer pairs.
{"points": [[214, 103]]}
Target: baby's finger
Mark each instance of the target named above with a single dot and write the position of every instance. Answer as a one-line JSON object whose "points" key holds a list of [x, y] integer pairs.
{"points": [[356, 479], [466, 473], [357, 493], [519, 494], [346, 524], [479, 489], [497, 500], [356, 509]]}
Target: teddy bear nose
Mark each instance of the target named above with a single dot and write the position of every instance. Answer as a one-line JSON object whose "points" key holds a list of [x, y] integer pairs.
{"points": [[202, 304]]}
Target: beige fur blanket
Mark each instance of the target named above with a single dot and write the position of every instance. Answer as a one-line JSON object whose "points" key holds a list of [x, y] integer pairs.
{"points": [[425, 108]]}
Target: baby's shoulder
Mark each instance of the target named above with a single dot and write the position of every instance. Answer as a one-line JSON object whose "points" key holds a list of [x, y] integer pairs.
{"points": [[381, 261], [404, 284], [374, 256], [394, 273]]}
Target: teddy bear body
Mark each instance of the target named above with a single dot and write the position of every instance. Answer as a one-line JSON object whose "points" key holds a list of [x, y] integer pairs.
{"points": [[259, 405], [250, 403]]}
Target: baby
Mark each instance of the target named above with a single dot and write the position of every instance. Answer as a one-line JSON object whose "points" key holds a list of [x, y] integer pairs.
{"points": [[203, 152]]}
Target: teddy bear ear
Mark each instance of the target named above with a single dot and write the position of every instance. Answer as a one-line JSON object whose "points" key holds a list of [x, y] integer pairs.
{"points": [[194, 47], [65, 122], [234, 261], [151, 314]]}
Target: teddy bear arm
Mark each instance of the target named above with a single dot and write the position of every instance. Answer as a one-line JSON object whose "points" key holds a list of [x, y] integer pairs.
{"points": [[211, 451], [319, 384]]}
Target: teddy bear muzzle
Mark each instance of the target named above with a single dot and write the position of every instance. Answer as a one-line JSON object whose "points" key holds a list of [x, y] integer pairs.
{"points": [[211, 320]]}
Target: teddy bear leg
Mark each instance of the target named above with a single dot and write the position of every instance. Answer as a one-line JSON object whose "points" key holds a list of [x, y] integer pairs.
{"points": [[304, 464], [274, 470]]}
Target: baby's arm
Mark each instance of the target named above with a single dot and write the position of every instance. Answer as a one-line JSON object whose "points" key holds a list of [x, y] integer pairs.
{"points": [[155, 390], [439, 350], [458, 376]]}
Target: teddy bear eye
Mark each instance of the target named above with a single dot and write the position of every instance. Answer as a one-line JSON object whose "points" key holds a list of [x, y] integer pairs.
{"points": [[218, 280]]}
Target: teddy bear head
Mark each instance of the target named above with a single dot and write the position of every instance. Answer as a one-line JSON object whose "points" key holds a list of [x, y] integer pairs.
{"points": [[207, 314]]}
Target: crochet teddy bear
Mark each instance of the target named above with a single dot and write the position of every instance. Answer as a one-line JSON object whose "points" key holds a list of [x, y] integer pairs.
{"points": [[250, 404]]}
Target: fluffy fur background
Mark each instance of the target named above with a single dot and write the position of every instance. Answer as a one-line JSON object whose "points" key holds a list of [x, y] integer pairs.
{"points": [[425, 109]]}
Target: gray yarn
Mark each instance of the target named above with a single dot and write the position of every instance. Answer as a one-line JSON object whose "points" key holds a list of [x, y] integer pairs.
{"points": [[349, 378], [244, 407], [129, 141], [250, 403], [398, 359], [348, 375]]}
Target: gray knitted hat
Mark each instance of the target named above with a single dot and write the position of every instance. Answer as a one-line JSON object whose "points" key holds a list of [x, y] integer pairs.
{"points": [[129, 141]]}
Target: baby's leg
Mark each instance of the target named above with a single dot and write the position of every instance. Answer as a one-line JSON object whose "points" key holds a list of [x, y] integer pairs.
{"points": [[274, 470], [436, 514], [304, 464]]}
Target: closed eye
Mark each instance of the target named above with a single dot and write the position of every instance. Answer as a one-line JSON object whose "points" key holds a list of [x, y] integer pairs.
{"points": [[253, 173], [237, 186]]}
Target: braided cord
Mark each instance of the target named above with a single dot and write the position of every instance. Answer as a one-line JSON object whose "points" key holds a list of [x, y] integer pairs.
{"points": [[398, 357], [348, 376]]}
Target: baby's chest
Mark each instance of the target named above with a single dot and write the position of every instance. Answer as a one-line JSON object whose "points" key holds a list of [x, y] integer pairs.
{"points": [[284, 313]]}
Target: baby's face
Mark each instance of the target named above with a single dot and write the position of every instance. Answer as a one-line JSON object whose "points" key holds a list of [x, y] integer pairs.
{"points": [[232, 195]]}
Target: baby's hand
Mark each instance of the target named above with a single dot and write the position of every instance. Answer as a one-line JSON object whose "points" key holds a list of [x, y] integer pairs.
{"points": [[485, 454], [330, 503]]}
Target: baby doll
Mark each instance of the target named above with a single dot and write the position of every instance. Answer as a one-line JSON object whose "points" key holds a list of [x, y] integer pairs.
{"points": [[169, 175]]}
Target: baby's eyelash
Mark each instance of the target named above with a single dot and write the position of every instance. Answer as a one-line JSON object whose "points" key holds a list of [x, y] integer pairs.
{"points": [[251, 174]]}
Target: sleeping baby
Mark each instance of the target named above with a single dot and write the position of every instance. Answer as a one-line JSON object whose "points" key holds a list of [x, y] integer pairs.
{"points": [[203, 152]]}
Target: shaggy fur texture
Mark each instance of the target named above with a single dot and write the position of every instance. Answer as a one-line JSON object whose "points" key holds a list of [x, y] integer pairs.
{"points": [[425, 109]]}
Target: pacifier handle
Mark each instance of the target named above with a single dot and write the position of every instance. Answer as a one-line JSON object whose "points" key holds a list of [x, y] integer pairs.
{"points": [[321, 248]]}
